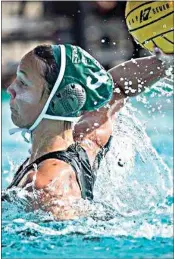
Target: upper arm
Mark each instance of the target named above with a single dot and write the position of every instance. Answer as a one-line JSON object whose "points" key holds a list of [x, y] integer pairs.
{"points": [[90, 130], [133, 76], [98, 124], [95, 128]]}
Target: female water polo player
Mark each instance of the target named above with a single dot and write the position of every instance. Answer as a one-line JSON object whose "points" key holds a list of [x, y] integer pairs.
{"points": [[55, 87]]}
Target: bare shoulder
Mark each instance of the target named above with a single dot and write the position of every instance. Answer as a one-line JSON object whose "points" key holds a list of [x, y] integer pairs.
{"points": [[56, 189], [53, 170]]}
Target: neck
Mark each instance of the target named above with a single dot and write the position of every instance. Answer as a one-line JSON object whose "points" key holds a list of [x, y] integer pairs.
{"points": [[50, 136]]}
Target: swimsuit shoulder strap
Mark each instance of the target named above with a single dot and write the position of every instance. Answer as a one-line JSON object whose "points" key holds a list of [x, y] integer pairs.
{"points": [[22, 172], [76, 156], [21, 167], [101, 154]]}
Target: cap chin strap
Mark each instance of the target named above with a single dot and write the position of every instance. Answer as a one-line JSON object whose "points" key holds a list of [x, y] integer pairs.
{"points": [[43, 114]]}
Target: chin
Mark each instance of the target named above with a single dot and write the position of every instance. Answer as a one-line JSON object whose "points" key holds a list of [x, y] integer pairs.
{"points": [[17, 121]]}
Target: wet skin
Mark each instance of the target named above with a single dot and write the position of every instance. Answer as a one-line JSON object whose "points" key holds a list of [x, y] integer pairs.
{"points": [[28, 96], [27, 91]]}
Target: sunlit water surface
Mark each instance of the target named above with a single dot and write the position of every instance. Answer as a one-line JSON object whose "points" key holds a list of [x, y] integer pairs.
{"points": [[131, 216]]}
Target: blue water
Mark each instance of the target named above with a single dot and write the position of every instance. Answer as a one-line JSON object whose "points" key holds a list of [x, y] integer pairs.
{"points": [[132, 213]]}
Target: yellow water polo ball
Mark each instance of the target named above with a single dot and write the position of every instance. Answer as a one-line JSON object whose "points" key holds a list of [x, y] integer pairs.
{"points": [[151, 23]]}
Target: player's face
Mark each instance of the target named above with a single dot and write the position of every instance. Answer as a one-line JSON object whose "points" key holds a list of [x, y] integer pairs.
{"points": [[27, 91]]}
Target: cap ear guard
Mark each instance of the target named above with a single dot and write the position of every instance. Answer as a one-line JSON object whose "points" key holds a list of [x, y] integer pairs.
{"points": [[68, 101]]}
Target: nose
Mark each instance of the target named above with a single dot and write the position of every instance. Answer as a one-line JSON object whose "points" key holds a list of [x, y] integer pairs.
{"points": [[11, 91]]}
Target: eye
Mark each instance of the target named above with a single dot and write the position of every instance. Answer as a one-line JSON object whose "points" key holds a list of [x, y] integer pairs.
{"points": [[21, 83]]}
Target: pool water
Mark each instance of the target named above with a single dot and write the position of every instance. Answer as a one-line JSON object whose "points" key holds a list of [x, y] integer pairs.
{"points": [[131, 216]]}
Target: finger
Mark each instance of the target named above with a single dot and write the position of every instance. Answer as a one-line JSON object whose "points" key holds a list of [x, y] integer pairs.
{"points": [[157, 51]]}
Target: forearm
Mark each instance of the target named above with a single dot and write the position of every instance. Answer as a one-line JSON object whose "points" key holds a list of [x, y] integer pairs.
{"points": [[133, 76]]}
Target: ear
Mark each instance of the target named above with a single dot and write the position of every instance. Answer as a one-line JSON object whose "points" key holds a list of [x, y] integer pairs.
{"points": [[68, 100]]}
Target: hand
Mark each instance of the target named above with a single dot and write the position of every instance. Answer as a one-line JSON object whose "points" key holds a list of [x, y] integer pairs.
{"points": [[167, 59]]}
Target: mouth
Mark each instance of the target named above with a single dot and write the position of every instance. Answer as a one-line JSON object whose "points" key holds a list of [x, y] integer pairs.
{"points": [[12, 103], [12, 108]]}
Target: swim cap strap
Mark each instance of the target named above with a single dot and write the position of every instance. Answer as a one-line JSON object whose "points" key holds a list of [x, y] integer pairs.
{"points": [[23, 133], [56, 86], [58, 51]]}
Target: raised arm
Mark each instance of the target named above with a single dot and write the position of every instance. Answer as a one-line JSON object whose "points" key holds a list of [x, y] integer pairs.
{"points": [[130, 79], [133, 76]]}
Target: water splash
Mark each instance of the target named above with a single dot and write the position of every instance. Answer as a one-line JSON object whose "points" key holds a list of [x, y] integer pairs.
{"points": [[131, 193], [143, 170]]}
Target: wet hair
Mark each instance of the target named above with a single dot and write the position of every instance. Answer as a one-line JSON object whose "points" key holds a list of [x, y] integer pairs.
{"points": [[45, 53]]}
